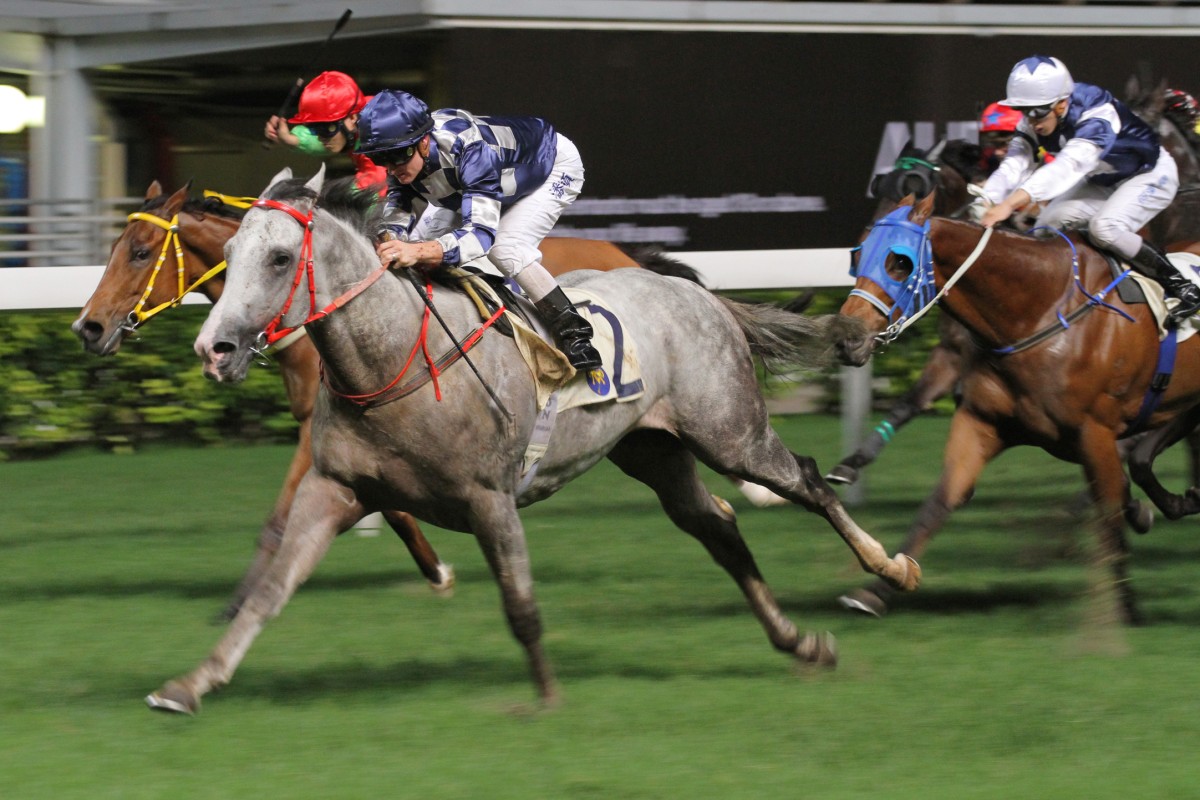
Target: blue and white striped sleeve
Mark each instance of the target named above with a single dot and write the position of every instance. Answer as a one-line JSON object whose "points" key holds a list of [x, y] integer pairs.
{"points": [[479, 174]]}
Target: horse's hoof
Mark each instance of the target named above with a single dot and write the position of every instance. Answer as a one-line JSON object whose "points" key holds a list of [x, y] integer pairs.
{"points": [[444, 586], [175, 698], [842, 474], [1140, 516], [912, 572], [761, 496], [818, 649], [864, 601]]}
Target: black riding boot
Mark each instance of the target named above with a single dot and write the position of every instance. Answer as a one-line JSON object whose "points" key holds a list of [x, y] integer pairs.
{"points": [[573, 332], [1151, 262]]}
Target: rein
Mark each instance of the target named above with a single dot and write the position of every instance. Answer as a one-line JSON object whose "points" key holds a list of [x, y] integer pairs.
{"points": [[1064, 322], [138, 315]]}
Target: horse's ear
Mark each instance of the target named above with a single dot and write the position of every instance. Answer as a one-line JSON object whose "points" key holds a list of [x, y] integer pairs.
{"points": [[317, 181], [923, 208], [175, 201], [154, 190], [283, 175]]}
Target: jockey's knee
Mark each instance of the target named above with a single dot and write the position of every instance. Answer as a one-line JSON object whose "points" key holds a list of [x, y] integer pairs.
{"points": [[1110, 234], [510, 259]]}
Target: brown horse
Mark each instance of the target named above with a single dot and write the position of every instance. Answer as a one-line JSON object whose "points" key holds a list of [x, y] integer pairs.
{"points": [[1072, 390], [949, 168], [149, 271]]}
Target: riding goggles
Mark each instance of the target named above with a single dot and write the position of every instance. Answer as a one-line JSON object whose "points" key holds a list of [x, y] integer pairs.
{"points": [[1037, 112], [327, 130], [396, 157]]}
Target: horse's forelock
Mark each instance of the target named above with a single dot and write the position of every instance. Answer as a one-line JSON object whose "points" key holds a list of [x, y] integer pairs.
{"points": [[290, 190]]}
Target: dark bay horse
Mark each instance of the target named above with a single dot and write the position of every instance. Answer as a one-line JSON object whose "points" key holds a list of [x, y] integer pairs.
{"points": [[150, 269], [451, 452], [1073, 391]]}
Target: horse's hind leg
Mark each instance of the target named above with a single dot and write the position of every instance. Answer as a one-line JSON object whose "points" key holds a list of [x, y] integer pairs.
{"points": [[321, 511], [1141, 466], [662, 462]]}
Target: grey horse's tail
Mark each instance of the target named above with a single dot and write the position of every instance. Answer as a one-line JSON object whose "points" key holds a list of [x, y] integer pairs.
{"points": [[786, 340]]}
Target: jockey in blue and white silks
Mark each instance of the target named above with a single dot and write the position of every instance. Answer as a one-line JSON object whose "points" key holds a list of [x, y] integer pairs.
{"points": [[1110, 174], [461, 186]]}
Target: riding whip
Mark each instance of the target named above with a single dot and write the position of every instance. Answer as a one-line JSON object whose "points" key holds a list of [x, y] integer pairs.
{"points": [[462, 353], [299, 84]]}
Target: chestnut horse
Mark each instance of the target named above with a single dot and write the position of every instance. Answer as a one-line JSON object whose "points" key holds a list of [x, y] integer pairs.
{"points": [[149, 270], [1056, 366]]}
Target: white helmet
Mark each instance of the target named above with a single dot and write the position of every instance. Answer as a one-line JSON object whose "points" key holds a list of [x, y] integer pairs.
{"points": [[1038, 81]]}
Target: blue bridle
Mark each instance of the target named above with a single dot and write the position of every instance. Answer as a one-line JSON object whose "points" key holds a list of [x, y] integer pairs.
{"points": [[894, 233]]}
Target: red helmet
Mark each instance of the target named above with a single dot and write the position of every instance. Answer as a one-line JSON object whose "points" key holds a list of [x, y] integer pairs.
{"points": [[999, 118], [329, 97]]}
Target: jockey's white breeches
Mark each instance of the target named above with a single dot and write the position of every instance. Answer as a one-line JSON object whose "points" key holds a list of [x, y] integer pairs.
{"points": [[1113, 215], [526, 222]]}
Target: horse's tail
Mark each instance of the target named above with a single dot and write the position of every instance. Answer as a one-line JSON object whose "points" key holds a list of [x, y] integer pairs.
{"points": [[783, 339], [655, 259]]}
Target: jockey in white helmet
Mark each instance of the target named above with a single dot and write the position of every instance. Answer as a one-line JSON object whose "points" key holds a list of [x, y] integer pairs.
{"points": [[1110, 174]]}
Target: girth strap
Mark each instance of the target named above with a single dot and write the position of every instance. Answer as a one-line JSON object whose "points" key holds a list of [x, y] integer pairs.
{"points": [[1159, 383]]}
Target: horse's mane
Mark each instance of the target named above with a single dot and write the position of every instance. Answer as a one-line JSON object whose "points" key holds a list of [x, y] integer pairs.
{"points": [[963, 157], [358, 208], [197, 206]]}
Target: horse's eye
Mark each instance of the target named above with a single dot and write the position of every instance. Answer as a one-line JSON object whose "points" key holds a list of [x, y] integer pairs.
{"points": [[899, 267], [141, 253], [281, 259]]}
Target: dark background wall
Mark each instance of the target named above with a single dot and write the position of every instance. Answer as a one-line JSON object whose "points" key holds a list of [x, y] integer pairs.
{"points": [[691, 114]]}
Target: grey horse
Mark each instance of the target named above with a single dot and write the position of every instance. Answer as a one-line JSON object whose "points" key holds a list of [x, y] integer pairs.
{"points": [[457, 461]]}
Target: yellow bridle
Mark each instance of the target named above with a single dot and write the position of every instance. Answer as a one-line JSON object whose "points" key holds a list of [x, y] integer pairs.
{"points": [[139, 315]]}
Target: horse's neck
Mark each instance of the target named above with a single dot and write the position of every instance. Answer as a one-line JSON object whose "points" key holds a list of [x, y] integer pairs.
{"points": [[203, 240], [1008, 292], [364, 343]]}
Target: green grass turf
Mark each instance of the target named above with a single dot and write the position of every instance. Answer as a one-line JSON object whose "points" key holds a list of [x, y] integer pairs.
{"points": [[1000, 677]]}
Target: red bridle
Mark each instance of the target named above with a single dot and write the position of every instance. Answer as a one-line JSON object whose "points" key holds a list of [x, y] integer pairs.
{"points": [[304, 267]]}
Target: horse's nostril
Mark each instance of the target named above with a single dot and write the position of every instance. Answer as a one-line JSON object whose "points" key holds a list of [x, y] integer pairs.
{"points": [[90, 331], [224, 347]]}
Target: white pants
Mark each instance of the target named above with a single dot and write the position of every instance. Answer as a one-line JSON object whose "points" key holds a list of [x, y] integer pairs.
{"points": [[1113, 215], [526, 222]]}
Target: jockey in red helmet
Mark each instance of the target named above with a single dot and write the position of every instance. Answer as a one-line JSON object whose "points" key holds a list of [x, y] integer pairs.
{"points": [[327, 122], [997, 126]]}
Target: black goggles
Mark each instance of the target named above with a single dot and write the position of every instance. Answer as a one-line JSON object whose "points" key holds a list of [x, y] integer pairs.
{"points": [[326, 130], [396, 157], [1037, 112]]}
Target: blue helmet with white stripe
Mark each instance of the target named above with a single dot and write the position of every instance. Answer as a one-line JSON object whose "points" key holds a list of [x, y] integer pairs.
{"points": [[1038, 81], [390, 120]]}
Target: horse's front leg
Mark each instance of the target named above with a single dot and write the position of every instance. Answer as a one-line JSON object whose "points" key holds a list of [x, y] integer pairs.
{"points": [[439, 574], [1141, 466], [971, 445], [322, 509], [271, 534], [1110, 493], [496, 525], [938, 378]]}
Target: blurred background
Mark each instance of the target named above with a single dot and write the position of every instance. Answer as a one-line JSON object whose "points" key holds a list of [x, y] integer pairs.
{"points": [[704, 126]]}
